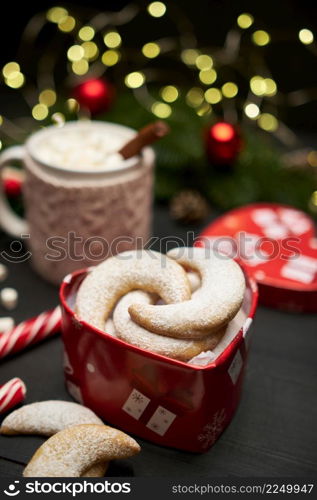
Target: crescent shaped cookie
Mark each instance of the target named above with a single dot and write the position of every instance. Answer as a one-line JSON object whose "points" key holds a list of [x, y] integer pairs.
{"points": [[45, 418], [129, 331], [213, 305], [139, 269], [71, 452]]}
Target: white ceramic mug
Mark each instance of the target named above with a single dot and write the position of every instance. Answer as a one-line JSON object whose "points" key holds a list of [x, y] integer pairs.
{"points": [[76, 218]]}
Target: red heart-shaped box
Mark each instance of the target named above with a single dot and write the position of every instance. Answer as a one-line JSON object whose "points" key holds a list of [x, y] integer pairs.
{"points": [[169, 402], [277, 245]]}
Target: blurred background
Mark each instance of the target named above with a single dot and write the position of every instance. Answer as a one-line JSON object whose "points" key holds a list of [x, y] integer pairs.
{"points": [[235, 80]]}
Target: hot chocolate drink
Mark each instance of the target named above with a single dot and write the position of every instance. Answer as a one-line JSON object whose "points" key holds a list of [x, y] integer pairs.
{"points": [[83, 147]]}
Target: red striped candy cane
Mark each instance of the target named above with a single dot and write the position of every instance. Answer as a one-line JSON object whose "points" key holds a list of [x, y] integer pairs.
{"points": [[11, 394], [30, 332]]}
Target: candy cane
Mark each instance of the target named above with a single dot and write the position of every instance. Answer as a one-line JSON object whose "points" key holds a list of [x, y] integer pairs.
{"points": [[11, 394], [30, 332]]}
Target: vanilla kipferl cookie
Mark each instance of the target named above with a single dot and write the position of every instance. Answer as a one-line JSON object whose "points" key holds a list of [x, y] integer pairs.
{"points": [[45, 418], [138, 269], [74, 450], [126, 329], [212, 306]]}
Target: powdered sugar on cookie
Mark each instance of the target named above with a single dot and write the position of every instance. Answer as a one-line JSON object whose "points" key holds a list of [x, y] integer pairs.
{"points": [[70, 452]]}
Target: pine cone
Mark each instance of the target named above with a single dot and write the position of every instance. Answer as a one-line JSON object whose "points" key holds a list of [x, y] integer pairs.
{"points": [[189, 207]]}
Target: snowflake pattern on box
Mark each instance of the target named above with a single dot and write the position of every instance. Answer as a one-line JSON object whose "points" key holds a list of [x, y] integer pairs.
{"points": [[213, 429], [161, 420], [135, 404], [138, 398]]}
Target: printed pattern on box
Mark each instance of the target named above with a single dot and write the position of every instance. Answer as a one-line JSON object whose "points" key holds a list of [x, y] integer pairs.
{"points": [[235, 367], [161, 420], [301, 269], [213, 429], [136, 404]]}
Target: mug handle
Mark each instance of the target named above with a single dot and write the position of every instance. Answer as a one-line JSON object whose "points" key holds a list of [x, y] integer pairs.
{"points": [[15, 226]]}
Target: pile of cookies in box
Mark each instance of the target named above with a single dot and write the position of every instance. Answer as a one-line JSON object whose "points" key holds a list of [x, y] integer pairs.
{"points": [[177, 305]]}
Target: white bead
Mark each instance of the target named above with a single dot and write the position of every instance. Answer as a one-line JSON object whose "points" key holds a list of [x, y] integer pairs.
{"points": [[6, 323], [9, 298], [3, 272]]}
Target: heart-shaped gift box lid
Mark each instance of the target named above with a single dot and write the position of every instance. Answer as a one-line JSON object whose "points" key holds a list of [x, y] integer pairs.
{"points": [[277, 245]]}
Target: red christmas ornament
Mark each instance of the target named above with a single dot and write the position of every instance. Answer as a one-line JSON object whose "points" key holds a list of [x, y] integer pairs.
{"points": [[95, 94], [12, 187], [223, 143]]}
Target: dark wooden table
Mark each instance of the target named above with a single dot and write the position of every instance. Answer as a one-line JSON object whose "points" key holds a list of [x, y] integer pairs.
{"points": [[273, 432]]}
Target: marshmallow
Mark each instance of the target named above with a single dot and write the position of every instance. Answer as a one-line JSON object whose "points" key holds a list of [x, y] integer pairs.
{"points": [[9, 298], [88, 147]]}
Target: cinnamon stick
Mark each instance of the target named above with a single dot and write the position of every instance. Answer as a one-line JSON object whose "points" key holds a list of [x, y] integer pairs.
{"points": [[146, 136]]}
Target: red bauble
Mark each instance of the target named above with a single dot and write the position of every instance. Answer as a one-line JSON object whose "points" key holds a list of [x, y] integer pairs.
{"points": [[223, 143], [12, 186], [95, 94]]}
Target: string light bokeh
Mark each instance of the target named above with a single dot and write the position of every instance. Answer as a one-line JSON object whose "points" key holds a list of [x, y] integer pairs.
{"points": [[218, 86], [86, 50]]}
